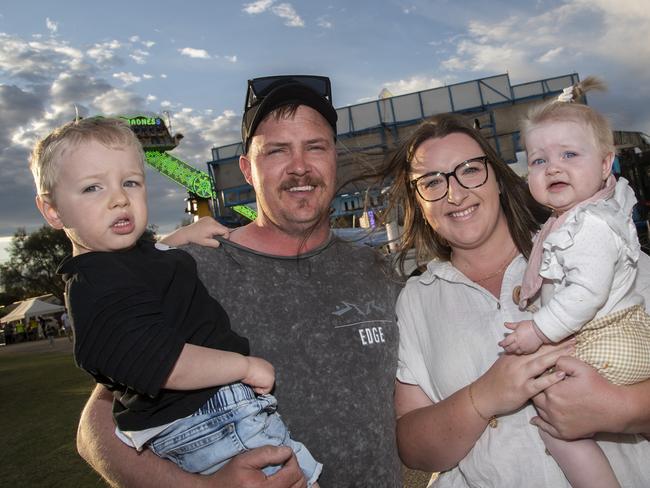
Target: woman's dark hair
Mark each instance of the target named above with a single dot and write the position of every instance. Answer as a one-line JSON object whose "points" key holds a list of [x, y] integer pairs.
{"points": [[523, 214]]}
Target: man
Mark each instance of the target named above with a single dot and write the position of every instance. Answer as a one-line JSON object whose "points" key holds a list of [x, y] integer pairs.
{"points": [[320, 310]]}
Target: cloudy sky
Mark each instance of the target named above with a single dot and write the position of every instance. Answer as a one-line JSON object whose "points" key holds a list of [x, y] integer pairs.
{"points": [[192, 59]]}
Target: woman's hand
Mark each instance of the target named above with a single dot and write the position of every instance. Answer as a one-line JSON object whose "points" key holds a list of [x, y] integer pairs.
{"points": [[201, 232], [587, 403], [512, 380]]}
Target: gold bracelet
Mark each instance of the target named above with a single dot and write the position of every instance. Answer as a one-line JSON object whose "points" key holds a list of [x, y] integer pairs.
{"points": [[492, 421]]}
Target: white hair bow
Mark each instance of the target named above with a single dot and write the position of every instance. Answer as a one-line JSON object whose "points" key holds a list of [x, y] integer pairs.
{"points": [[566, 95]]}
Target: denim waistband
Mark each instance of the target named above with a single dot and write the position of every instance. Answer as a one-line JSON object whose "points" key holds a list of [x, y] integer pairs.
{"points": [[226, 397]]}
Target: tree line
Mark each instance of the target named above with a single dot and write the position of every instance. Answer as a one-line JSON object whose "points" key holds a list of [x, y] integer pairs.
{"points": [[33, 261]]}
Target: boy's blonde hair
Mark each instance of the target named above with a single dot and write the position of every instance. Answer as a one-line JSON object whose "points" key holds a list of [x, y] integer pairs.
{"points": [[574, 111], [45, 158]]}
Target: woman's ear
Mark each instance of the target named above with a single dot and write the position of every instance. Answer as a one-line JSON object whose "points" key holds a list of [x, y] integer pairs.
{"points": [[49, 212]]}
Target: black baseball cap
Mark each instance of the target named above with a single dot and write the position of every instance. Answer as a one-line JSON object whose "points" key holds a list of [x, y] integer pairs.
{"points": [[270, 92]]}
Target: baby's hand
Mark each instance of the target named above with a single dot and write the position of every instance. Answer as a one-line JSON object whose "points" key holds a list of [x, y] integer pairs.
{"points": [[524, 339], [201, 232], [260, 375]]}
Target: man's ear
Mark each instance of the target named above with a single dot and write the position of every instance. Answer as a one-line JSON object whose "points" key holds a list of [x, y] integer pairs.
{"points": [[608, 162], [245, 167], [48, 211]]}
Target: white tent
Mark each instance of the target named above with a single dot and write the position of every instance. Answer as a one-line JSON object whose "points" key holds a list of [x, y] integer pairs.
{"points": [[31, 308]]}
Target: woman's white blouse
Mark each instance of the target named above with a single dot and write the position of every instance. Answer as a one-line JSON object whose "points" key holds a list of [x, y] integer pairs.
{"points": [[449, 330]]}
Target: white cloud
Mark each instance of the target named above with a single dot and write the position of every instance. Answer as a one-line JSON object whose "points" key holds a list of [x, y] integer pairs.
{"points": [[104, 53], [163, 75], [550, 55], [194, 53], [38, 60], [151, 98], [147, 76], [287, 12], [139, 56], [127, 78], [148, 44], [165, 104], [415, 83], [203, 130], [257, 7], [51, 25], [134, 38], [283, 10], [231, 59], [324, 23], [117, 101]]}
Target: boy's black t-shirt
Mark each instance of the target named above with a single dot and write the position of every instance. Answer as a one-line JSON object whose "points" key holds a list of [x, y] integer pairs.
{"points": [[132, 313]]}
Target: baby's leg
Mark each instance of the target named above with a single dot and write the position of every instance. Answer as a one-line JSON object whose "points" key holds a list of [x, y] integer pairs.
{"points": [[582, 461]]}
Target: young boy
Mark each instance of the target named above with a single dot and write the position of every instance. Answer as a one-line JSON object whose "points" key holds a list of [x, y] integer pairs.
{"points": [[144, 324]]}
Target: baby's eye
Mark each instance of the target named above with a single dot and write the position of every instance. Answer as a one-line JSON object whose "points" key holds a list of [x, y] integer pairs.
{"points": [[91, 189], [568, 155], [132, 184], [535, 162]]}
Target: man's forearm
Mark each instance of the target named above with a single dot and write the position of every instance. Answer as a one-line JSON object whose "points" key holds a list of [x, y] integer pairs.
{"points": [[119, 464]]}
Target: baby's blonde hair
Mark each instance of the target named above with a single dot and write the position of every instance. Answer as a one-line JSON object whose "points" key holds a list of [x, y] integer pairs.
{"points": [[575, 111], [48, 152]]}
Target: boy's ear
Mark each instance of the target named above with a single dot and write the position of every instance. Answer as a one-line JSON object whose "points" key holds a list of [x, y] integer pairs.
{"points": [[608, 162], [48, 211]]}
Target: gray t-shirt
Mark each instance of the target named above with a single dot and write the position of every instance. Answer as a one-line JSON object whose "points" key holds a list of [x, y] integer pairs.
{"points": [[326, 322]]}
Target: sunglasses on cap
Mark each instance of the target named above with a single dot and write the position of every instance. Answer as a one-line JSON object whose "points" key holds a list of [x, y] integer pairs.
{"points": [[258, 88]]}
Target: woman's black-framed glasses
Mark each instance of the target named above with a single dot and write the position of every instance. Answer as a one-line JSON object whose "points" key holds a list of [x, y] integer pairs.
{"points": [[258, 88], [469, 174]]}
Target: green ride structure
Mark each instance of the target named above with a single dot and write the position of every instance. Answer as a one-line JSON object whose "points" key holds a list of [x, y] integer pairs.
{"points": [[156, 140]]}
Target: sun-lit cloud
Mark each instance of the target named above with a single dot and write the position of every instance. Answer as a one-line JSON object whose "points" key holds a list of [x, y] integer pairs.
{"points": [[288, 13], [550, 55], [257, 7], [324, 22], [146, 76], [415, 83], [283, 10], [104, 52], [127, 78], [51, 25], [151, 98], [148, 44], [231, 59], [139, 56], [194, 53], [202, 130], [37, 60], [117, 101], [565, 34]]}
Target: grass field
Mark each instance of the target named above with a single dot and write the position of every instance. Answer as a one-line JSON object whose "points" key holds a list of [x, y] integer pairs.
{"points": [[43, 393], [42, 396]]}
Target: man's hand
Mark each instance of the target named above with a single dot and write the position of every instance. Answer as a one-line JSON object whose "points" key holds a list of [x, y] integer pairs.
{"points": [[581, 405], [201, 232], [245, 470]]}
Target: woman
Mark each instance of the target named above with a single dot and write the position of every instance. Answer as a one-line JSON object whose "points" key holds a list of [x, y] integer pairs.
{"points": [[462, 407]]}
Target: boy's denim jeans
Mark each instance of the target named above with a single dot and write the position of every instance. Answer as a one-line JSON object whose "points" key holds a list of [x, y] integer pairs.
{"points": [[234, 420]]}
